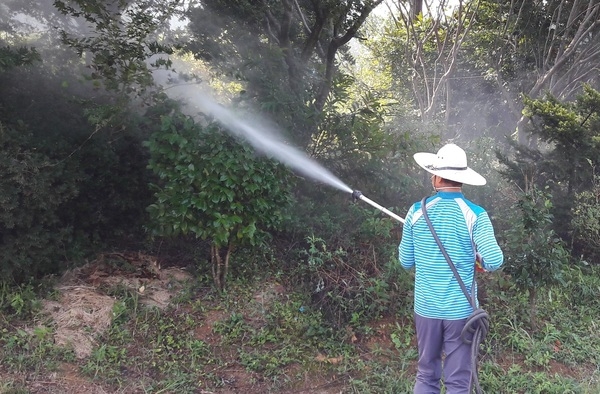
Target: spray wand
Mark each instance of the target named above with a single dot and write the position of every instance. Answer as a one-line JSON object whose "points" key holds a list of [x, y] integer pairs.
{"points": [[357, 195]]}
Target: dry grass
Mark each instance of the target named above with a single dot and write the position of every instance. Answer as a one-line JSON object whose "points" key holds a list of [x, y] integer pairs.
{"points": [[84, 310]]}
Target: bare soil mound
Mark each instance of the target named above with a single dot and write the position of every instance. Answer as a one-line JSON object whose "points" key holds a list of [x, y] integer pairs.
{"points": [[83, 309]]}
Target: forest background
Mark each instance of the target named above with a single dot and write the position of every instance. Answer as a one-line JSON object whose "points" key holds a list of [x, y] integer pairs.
{"points": [[202, 149]]}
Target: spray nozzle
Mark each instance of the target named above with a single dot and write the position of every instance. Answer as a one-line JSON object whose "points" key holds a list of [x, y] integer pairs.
{"points": [[357, 195]]}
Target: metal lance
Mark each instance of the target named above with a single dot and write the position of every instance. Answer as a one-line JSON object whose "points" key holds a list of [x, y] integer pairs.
{"points": [[357, 195]]}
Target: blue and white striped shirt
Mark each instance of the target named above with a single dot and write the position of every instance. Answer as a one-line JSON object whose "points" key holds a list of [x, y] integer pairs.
{"points": [[464, 229]]}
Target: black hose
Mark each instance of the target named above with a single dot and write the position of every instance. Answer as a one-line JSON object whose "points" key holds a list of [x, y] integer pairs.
{"points": [[478, 324]]}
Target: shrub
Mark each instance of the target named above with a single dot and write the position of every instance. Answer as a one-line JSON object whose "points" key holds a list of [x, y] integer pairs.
{"points": [[31, 192], [585, 222], [348, 261], [535, 255], [214, 187]]}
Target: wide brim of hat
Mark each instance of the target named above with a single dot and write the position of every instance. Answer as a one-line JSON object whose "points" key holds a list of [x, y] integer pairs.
{"points": [[468, 176]]}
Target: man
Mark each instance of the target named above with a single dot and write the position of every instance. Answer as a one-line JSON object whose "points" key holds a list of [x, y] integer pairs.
{"points": [[441, 308]]}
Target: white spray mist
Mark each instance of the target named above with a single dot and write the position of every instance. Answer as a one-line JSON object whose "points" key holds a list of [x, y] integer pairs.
{"points": [[262, 137]]}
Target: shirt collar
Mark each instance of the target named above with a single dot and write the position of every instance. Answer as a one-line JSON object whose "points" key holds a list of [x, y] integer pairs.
{"points": [[445, 194]]}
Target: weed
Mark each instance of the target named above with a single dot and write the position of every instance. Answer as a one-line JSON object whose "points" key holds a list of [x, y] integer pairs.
{"points": [[382, 379], [11, 387], [105, 361], [18, 301], [348, 290], [234, 328], [268, 363], [128, 304], [32, 352], [516, 380], [402, 336]]}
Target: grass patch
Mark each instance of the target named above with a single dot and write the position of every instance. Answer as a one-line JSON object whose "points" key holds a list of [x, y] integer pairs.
{"points": [[261, 337]]}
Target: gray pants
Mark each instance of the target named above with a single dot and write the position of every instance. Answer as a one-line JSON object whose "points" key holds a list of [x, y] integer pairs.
{"points": [[434, 337]]}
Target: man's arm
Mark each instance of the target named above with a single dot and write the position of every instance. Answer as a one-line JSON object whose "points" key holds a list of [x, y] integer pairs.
{"points": [[486, 243], [406, 249]]}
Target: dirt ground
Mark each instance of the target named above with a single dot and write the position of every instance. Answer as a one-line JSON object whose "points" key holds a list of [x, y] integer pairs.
{"points": [[81, 311]]}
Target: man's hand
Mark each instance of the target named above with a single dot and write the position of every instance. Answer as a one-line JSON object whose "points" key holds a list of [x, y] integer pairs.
{"points": [[479, 263]]}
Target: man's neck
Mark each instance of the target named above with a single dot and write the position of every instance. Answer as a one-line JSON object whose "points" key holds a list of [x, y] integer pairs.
{"points": [[449, 189]]}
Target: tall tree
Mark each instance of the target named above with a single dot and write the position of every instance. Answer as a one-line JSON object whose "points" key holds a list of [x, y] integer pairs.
{"points": [[432, 47], [287, 52], [69, 186], [425, 59], [488, 54], [567, 160], [541, 46], [417, 8], [122, 47]]}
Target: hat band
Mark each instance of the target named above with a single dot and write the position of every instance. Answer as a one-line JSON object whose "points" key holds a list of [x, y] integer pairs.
{"points": [[432, 167]]}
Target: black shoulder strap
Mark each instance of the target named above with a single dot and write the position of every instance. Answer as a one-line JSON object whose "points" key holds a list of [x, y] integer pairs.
{"points": [[471, 297]]}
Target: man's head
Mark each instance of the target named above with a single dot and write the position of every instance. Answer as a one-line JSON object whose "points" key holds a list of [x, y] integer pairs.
{"points": [[449, 163]]}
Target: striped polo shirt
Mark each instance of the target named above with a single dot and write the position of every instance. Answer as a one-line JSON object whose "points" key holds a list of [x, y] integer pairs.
{"points": [[464, 229]]}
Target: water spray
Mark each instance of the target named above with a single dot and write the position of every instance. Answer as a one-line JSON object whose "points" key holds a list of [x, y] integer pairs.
{"points": [[357, 195], [259, 134]]}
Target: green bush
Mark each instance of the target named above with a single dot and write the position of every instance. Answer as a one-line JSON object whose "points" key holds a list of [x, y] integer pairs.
{"points": [[215, 188], [31, 193], [535, 255], [68, 188], [113, 191], [585, 222], [563, 160]]}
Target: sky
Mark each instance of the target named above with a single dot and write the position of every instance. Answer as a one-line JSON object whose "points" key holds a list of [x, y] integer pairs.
{"points": [[383, 8]]}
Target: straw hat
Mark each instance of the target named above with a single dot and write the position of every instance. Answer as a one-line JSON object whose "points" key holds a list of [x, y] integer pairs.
{"points": [[450, 163]]}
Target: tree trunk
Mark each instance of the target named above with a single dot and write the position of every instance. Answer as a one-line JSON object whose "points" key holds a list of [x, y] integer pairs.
{"points": [[215, 260], [533, 308], [430, 76], [417, 8], [220, 265]]}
